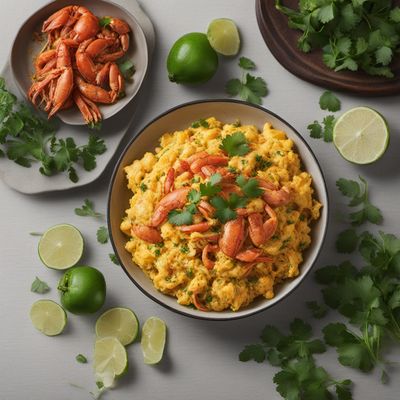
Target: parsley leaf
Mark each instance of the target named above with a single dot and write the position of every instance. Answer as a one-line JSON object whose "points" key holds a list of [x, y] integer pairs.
{"points": [[249, 187], [347, 241], [328, 101], [114, 258], [102, 235], [248, 88], [358, 192], [39, 286], [177, 217], [235, 144], [87, 210]]}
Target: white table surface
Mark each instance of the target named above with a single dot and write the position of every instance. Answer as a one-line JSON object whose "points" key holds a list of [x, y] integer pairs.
{"points": [[201, 360]]}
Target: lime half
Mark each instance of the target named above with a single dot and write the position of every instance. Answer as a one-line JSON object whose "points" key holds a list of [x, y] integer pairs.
{"points": [[109, 361], [48, 317], [361, 135], [61, 246], [223, 35], [119, 322], [153, 340]]}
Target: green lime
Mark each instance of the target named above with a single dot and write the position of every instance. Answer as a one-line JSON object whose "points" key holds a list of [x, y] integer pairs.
{"points": [[110, 360], [153, 340], [361, 135], [119, 322], [48, 317], [192, 59], [61, 247], [83, 290], [223, 36]]}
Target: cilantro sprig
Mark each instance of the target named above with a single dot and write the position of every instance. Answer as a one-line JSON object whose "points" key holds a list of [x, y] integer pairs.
{"points": [[225, 209], [39, 286], [87, 210], [27, 138], [185, 216], [235, 144], [358, 193], [248, 88], [102, 235], [249, 187], [299, 376], [353, 35]]}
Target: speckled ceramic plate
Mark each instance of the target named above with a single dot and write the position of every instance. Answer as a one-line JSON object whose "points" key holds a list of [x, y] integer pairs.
{"points": [[29, 180], [179, 118]]}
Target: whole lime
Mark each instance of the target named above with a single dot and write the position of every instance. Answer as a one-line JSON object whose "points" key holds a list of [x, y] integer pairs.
{"points": [[192, 59], [83, 290]]}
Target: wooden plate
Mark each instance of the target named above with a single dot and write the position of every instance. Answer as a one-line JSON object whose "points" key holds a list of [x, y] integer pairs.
{"points": [[282, 42]]}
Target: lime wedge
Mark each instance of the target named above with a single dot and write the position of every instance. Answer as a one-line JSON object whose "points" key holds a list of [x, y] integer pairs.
{"points": [[118, 322], [61, 247], [153, 340], [48, 317], [361, 135], [109, 361], [223, 35]]}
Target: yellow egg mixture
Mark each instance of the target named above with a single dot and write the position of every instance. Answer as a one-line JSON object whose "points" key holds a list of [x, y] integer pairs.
{"points": [[175, 265]]}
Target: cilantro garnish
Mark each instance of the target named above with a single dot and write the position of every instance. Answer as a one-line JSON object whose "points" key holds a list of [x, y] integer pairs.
{"points": [[143, 187], [261, 163], [318, 310], [325, 132], [103, 22], [211, 188], [102, 235], [81, 359], [225, 209], [248, 88], [358, 193], [113, 258], [249, 187], [26, 138], [299, 376], [200, 122], [180, 217], [39, 286], [127, 68], [87, 210], [235, 144], [328, 101], [352, 34]]}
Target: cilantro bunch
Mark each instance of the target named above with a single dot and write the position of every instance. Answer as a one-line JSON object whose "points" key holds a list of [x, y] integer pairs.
{"points": [[25, 137], [353, 34], [299, 376]]}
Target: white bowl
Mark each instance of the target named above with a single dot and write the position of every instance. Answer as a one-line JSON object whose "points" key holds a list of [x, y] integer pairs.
{"points": [[25, 49], [181, 117]]}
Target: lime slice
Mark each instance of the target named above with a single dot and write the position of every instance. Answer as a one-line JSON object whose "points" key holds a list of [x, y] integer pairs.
{"points": [[361, 135], [223, 35], [61, 247], [153, 340], [118, 322], [48, 317], [109, 361]]}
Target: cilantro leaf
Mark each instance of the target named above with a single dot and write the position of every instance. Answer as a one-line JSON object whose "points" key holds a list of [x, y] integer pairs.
{"points": [[235, 144], [347, 241], [200, 122], [81, 359], [127, 68], [246, 63], [102, 235], [328, 101], [223, 211], [318, 310], [384, 55], [211, 188], [114, 258], [87, 210], [315, 130], [249, 88], [194, 196], [359, 196], [329, 122], [249, 187], [177, 217], [254, 352], [39, 286]]}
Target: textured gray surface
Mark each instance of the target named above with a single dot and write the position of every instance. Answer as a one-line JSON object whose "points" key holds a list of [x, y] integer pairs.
{"points": [[201, 357]]}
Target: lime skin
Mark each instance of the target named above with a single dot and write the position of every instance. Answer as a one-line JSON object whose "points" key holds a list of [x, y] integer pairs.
{"points": [[192, 60], [83, 290]]}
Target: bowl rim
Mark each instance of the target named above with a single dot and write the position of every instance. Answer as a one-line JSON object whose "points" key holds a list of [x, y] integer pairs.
{"points": [[124, 10], [111, 184]]}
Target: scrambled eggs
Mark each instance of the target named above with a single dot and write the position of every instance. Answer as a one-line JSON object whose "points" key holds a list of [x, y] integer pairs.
{"points": [[174, 263]]}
